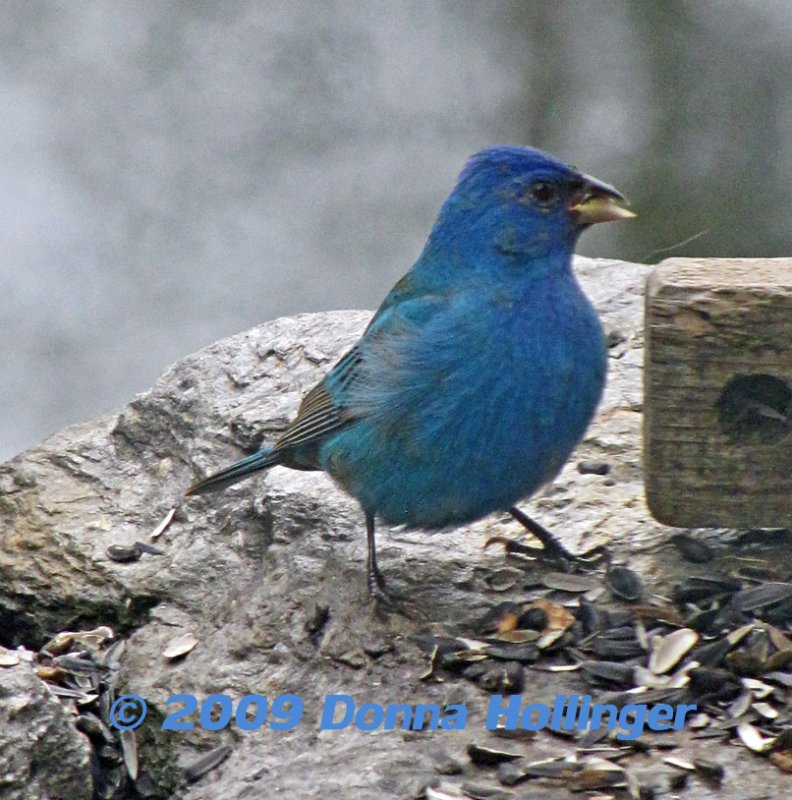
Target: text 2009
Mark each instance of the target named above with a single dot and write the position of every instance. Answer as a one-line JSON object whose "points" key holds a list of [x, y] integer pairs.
{"points": [[252, 712]]}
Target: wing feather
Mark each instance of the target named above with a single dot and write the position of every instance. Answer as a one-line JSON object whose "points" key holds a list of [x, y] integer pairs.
{"points": [[333, 403], [320, 415]]}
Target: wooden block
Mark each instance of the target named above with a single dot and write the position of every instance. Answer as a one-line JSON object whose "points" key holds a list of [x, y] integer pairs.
{"points": [[718, 393]]}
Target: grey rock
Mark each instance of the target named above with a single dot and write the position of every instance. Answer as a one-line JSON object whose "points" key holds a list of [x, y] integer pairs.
{"points": [[245, 570], [588, 467], [42, 754]]}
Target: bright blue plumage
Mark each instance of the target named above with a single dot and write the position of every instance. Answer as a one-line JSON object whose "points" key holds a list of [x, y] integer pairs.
{"points": [[482, 367]]}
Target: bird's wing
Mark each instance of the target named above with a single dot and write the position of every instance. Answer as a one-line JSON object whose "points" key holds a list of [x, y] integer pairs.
{"points": [[325, 410], [320, 414]]}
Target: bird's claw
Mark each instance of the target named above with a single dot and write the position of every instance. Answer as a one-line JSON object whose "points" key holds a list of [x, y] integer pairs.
{"points": [[552, 549], [385, 601]]}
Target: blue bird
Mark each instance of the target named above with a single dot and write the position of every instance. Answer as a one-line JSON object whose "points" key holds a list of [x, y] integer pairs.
{"points": [[481, 369]]}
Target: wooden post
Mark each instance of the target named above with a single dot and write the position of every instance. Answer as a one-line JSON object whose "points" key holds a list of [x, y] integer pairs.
{"points": [[718, 393]]}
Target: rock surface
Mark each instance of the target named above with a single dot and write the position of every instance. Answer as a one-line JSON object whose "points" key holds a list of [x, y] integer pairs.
{"points": [[42, 755], [269, 576]]}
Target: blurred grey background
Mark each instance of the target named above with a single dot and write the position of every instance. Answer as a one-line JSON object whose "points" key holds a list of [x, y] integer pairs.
{"points": [[174, 172]]}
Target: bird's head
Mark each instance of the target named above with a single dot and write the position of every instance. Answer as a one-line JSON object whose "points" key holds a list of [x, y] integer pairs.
{"points": [[518, 203]]}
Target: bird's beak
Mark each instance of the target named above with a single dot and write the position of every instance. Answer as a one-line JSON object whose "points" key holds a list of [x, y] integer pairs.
{"points": [[598, 202]]}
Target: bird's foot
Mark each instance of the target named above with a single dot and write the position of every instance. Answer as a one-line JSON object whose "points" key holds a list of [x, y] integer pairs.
{"points": [[552, 549], [385, 602], [377, 585]]}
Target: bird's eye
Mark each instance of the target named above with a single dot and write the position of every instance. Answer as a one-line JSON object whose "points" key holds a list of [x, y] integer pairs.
{"points": [[543, 192]]}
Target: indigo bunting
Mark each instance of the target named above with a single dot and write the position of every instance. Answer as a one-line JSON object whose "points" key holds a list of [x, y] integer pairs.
{"points": [[481, 369]]}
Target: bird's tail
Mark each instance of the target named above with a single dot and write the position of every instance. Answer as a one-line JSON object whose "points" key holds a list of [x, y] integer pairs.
{"points": [[263, 459]]}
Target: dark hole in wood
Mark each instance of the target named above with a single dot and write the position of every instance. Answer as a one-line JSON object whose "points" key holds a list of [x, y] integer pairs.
{"points": [[755, 407]]}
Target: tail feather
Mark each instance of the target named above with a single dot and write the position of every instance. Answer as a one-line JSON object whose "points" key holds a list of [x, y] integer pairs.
{"points": [[263, 459]]}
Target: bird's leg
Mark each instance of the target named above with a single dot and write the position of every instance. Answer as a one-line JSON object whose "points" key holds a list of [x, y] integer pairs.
{"points": [[551, 545], [375, 579], [552, 548], [378, 588], [385, 600]]}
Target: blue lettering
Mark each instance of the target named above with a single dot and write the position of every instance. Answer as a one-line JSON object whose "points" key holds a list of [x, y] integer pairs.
{"points": [[681, 711], [571, 711], [421, 711], [455, 717], [632, 730], [544, 717], [510, 713], [392, 713], [596, 716], [377, 715], [660, 717], [328, 712], [557, 721], [585, 709]]}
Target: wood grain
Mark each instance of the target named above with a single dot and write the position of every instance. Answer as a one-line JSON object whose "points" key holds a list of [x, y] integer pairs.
{"points": [[712, 459]]}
